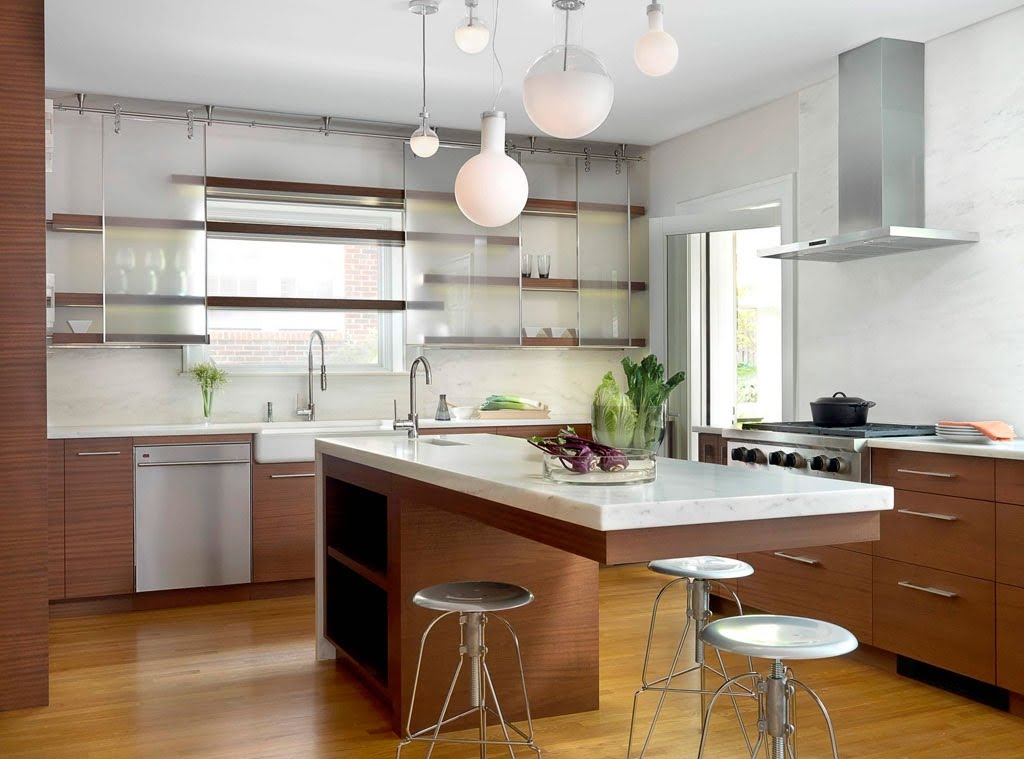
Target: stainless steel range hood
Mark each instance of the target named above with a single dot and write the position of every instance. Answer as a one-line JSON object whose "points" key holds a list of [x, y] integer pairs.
{"points": [[881, 160]]}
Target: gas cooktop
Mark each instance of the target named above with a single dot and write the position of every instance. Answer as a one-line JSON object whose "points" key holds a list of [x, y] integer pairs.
{"points": [[862, 431]]}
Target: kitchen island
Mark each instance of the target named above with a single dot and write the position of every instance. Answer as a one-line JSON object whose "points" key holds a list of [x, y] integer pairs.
{"points": [[395, 515]]}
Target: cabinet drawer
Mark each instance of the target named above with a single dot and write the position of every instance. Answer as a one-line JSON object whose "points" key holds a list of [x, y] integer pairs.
{"points": [[283, 531], [823, 582], [1010, 544], [939, 531], [946, 619], [1010, 481], [939, 473], [1009, 623]]}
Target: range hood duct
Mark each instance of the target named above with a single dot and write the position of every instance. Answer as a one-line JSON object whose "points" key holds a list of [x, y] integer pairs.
{"points": [[881, 159]]}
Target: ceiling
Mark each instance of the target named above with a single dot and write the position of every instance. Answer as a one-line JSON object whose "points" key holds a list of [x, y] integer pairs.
{"points": [[361, 58]]}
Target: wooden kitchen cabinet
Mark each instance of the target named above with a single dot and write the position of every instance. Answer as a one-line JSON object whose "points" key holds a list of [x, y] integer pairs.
{"points": [[283, 530], [939, 473], [937, 617], [711, 448], [1009, 623], [1010, 544], [822, 582], [99, 516], [55, 509]]}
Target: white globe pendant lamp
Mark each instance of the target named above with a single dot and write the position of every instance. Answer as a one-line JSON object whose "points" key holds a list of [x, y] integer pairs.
{"points": [[567, 91], [656, 52], [472, 35], [424, 142], [491, 188]]}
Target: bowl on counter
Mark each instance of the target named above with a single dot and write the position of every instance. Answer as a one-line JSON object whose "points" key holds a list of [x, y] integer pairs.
{"points": [[79, 326], [641, 467], [462, 413]]}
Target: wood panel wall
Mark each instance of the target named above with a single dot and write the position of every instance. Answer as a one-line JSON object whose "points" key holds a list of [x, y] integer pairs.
{"points": [[23, 518]]}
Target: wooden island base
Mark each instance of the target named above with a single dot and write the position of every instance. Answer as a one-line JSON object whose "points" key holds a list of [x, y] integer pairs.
{"points": [[381, 537]]}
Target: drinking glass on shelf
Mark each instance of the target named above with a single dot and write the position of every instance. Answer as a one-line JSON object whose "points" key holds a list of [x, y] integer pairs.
{"points": [[544, 266], [527, 265]]}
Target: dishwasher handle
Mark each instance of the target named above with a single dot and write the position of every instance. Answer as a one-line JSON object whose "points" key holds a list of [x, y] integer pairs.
{"points": [[191, 463]]}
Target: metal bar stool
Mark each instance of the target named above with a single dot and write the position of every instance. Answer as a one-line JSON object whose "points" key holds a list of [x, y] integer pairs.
{"points": [[775, 637], [475, 603], [699, 573]]}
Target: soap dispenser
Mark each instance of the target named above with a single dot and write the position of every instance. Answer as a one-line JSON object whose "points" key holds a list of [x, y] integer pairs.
{"points": [[442, 414]]}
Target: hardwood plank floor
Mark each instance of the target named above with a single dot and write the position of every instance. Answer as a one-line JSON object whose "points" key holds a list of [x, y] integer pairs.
{"points": [[239, 680]]}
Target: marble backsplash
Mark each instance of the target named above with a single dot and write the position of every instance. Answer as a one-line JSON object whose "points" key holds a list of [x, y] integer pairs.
{"points": [[145, 386]]}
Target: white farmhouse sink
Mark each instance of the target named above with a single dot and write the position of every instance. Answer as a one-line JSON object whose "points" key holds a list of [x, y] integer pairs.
{"points": [[295, 441]]}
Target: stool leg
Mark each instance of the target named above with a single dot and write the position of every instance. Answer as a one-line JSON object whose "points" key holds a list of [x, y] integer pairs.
{"points": [[711, 705], [824, 712], [416, 682], [777, 699], [528, 735]]}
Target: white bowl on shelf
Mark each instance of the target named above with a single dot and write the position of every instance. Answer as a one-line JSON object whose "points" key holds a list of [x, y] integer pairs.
{"points": [[79, 326]]}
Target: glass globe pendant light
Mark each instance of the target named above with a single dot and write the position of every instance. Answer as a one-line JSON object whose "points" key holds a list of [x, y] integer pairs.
{"points": [[567, 91], [656, 52], [424, 141], [472, 35], [491, 188]]}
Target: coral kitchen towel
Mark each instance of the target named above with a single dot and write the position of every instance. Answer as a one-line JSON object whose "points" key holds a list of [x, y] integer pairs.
{"points": [[998, 431]]}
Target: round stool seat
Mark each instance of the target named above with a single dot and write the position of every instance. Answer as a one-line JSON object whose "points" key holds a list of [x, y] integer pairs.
{"points": [[480, 596], [702, 567], [773, 636]]}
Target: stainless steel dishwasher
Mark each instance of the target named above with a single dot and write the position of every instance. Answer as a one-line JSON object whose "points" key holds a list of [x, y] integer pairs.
{"points": [[193, 516]]}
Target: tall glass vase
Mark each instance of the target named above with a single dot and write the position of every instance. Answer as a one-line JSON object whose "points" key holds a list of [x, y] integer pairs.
{"points": [[207, 403], [650, 427]]}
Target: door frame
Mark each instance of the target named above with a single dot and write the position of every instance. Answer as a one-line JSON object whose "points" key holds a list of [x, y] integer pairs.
{"points": [[762, 204]]}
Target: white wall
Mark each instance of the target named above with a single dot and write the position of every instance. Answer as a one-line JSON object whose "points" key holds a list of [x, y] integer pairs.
{"points": [[926, 335]]}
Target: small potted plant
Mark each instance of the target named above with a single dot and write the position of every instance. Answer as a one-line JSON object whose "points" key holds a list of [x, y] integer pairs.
{"points": [[209, 378]]}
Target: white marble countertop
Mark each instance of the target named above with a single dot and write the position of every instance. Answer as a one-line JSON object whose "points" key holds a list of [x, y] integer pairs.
{"points": [[508, 471], [933, 444], [234, 428]]}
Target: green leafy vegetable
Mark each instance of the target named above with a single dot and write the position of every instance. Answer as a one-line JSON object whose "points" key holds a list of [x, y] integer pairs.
{"points": [[614, 414], [208, 376], [648, 390], [515, 402]]}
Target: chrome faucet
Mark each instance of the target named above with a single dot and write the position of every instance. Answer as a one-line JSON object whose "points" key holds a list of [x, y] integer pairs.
{"points": [[310, 411], [412, 422]]}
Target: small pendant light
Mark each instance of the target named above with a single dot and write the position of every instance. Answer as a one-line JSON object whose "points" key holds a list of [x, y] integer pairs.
{"points": [[656, 52], [423, 141], [472, 35], [491, 187]]}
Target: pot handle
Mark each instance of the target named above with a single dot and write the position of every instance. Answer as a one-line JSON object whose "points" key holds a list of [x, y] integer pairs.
{"points": [[836, 395], [867, 404]]}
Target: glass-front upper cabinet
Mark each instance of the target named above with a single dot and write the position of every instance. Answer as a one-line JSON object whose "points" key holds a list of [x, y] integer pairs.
{"points": [[604, 253], [462, 280], [154, 232]]}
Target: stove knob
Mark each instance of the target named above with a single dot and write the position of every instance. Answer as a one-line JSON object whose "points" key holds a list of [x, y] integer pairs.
{"points": [[837, 466], [818, 463], [754, 456], [777, 458], [739, 454], [795, 461]]}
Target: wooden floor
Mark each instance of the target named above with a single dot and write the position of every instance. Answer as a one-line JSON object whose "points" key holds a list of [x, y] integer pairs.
{"points": [[239, 680]]}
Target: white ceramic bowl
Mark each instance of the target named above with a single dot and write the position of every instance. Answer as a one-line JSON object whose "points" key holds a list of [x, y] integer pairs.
{"points": [[462, 413], [78, 326]]}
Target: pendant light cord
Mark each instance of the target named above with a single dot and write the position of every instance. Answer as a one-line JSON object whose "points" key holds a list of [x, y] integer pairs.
{"points": [[495, 60], [565, 44], [423, 49]]}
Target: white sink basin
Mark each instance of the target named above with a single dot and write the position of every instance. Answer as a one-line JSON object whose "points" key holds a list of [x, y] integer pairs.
{"points": [[295, 441]]}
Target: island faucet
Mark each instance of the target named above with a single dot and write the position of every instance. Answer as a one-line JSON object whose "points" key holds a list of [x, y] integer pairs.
{"points": [[310, 410], [412, 422]]}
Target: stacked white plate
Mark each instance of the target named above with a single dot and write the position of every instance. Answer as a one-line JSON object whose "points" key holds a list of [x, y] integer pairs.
{"points": [[959, 434]]}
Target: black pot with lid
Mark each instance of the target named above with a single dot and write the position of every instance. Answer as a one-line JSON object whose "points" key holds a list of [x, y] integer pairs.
{"points": [[840, 410]]}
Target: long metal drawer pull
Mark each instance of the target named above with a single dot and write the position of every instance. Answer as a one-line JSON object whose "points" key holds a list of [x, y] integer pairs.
{"points": [[289, 476], [923, 589], [191, 463], [928, 515], [944, 475], [99, 453], [801, 559]]}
